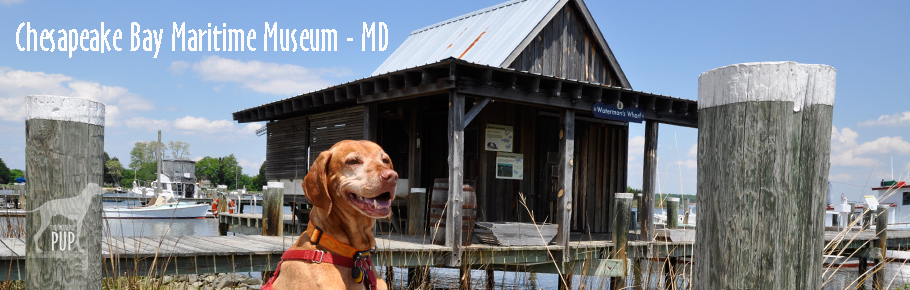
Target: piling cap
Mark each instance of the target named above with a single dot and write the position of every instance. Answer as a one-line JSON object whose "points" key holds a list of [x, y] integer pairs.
{"points": [[802, 84], [276, 185], [64, 109], [624, 195], [672, 199]]}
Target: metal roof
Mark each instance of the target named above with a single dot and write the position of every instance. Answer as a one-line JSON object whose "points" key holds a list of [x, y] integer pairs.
{"points": [[487, 36]]}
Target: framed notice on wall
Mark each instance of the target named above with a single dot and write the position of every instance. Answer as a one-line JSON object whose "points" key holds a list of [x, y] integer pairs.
{"points": [[498, 138], [509, 165]]}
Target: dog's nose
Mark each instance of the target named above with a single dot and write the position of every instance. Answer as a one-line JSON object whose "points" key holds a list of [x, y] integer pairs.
{"points": [[389, 175]]}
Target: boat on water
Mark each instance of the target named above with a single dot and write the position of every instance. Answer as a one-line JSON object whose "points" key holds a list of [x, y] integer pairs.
{"points": [[162, 208], [892, 194], [177, 179]]}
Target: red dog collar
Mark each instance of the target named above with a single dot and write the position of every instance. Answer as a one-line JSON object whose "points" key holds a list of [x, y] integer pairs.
{"points": [[359, 262]]}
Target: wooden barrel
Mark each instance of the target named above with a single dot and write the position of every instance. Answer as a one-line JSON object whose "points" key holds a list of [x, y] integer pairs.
{"points": [[438, 215]]}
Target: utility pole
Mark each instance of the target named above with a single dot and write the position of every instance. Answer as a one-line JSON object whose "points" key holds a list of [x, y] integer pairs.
{"points": [[158, 175]]}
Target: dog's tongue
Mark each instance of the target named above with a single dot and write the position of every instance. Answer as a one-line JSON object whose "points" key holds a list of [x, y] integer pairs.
{"points": [[379, 201]]}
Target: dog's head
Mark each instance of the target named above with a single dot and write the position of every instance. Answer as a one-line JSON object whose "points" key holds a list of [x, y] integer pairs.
{"points": [[352, 176]]}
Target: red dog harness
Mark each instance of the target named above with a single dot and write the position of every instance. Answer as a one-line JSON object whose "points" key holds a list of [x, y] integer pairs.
{"points": [[359, 261]]}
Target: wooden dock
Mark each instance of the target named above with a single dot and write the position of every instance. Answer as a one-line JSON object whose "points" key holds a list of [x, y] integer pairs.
{"points": [[153, 256]]}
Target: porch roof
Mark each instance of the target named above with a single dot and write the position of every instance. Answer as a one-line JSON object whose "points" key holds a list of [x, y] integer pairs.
{"points": [[476, 80]]}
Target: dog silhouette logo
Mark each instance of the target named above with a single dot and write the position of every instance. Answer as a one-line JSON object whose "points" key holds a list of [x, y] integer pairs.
{"points": [[73, 209]]}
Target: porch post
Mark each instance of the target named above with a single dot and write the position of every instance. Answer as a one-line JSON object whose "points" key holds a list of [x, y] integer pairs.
{"points": [[456, 158], [649, 183], [417, 202], [566, 163]]}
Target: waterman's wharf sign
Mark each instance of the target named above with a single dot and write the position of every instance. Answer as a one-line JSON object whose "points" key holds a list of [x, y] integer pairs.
{"points": [[617, 112]]}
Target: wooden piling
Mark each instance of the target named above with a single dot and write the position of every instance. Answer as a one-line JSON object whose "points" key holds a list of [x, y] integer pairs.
{"points": [[622, 217], [686, 211], [649, 183], [491, 279], [223, 207], [881, 228], [763, 151], [272, 206], [672, 205], [64, 148], [465, 274]]}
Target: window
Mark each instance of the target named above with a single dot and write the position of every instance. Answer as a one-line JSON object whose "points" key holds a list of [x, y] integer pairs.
{"points": [[906, 198]]}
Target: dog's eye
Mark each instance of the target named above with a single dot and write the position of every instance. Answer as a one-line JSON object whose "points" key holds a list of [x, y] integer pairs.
{"points": [[386, 161], [353, 162]]}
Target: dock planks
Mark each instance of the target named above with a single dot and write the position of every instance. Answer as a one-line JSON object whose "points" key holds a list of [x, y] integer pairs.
{"points": [[211, 254]]}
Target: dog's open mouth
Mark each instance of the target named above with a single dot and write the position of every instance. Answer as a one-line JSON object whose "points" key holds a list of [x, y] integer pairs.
{"points": [[375, 207]]}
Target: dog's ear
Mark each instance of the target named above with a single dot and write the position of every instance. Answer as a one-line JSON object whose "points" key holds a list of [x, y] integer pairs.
{"points": [[315, 184]]}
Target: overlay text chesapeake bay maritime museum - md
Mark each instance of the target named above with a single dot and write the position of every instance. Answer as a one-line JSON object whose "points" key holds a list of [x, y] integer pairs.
{"points": [[208, 38]]}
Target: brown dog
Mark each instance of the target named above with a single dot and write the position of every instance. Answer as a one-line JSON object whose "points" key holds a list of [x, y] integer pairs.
{"points": [[350, 185]]}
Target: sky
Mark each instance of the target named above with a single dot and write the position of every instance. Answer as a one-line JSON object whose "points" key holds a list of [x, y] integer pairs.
{"points": [[662, 46]]}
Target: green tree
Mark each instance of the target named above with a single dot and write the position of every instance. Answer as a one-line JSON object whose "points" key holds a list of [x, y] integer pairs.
{"points": [[145, 152], [16, 173], [207, 168], [5, 175], [179, 149], [228, 171], [147, 172], [260, 179], [128, 177], [114, 170]]}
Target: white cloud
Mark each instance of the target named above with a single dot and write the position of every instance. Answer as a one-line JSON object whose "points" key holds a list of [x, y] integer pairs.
{"points": [[197, 158], [246, 164], [178, 67], [148, 124], [884, 145], [265, 77], [840, 177], [190, 125], [636, 147], [693, 152], [688, 163], [907, 167], [897, 119], [15, 85], [194, 124], [846, 152], [10, 2], [250, 128]]}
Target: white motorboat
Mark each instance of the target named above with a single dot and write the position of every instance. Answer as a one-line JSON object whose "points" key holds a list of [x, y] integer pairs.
{"points": [[161, 209], [892, 194]]}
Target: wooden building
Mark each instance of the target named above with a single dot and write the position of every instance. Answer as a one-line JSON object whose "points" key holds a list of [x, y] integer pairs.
{"points": [[530, 71]]}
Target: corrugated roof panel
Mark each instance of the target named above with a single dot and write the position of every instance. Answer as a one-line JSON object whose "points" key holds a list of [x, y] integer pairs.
{"points": [[486, 36]]}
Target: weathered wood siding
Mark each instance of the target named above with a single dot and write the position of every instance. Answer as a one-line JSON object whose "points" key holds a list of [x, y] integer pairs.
{"points": [[286, 147], [566, 48], [286, 156], [601, 151], [328, 128]]}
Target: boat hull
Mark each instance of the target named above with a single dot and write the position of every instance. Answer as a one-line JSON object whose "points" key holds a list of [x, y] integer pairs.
{"points": [[167, 211]]}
